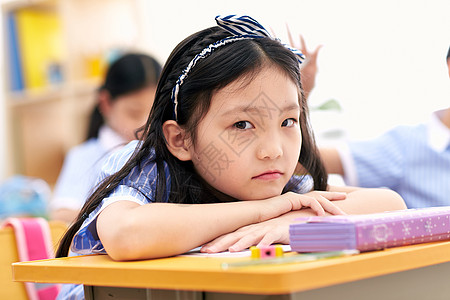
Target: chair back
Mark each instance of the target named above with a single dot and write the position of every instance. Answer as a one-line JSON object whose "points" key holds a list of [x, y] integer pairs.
{"points": [[9, 253]]}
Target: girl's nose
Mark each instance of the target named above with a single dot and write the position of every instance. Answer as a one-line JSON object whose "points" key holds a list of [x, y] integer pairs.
{"points": [[269, 148]]}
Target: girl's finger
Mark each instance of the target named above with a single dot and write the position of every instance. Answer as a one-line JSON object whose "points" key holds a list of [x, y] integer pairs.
{"points": [[291, 40], [332, 195], [273, 32], [245, 242], [303, 44], [312, 203], [329, 206], [220, 244], [316, 52], [272, 237]]}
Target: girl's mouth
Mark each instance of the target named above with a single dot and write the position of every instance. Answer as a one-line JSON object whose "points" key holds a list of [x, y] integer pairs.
{"points": [[269, 175]]}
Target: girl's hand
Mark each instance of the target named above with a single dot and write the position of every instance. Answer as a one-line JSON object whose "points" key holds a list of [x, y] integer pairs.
{"points": [[276, 230], [262, 234], [318, 201]]}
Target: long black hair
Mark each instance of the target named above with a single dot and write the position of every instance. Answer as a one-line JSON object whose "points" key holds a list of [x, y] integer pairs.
{"points": [[223, 66], [129, 73]]}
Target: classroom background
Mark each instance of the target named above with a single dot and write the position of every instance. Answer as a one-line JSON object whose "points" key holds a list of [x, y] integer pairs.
{"points": [[381, 64]]}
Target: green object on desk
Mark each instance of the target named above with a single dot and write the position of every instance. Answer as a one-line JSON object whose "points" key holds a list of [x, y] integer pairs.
{"points": [[288, 259]]}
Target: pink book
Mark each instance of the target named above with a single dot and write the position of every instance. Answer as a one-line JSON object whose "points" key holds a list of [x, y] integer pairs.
{"points": [[371, 231]]}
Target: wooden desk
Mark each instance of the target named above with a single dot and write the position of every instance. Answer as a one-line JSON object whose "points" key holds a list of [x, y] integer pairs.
{"points": [[411, 272]]}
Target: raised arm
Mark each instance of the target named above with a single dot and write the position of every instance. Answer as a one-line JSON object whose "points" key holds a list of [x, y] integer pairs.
{"points": [[332, 161], [309, 67]]}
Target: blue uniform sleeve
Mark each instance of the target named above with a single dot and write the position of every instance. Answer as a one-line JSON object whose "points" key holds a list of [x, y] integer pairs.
{"points": [[380, 162], [138, 186]]}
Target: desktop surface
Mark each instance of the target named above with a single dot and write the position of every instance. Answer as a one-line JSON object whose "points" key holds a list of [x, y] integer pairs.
{"points": [[207, 274]]}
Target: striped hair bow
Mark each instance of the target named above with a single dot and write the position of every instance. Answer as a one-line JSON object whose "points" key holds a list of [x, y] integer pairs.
{"points": [[241, 28], [245, 25]]}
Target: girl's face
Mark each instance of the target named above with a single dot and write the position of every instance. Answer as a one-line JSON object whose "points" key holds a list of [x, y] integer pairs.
{"points": [[129, 112], [248, 144]]}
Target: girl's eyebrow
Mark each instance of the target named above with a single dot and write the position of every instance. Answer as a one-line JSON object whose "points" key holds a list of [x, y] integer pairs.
{"points": [[257, 109]]}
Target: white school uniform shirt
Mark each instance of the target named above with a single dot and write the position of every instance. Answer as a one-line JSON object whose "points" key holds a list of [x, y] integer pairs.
{"points": [[82, 166], [414, 161]]}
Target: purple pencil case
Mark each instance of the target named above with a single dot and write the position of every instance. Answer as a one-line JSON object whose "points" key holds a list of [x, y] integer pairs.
{"points": [[371, 231]]}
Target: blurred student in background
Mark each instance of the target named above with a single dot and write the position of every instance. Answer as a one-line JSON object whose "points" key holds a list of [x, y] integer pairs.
{"points": [[411, 160], [123, 104]]}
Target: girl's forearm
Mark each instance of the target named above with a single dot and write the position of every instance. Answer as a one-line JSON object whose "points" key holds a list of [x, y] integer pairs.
{"points": [[368, 200], [358, 201], [131, 231]]}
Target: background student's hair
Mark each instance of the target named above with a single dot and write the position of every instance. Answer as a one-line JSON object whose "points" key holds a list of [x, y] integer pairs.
{"points": [[237, 59], [129, 73]]}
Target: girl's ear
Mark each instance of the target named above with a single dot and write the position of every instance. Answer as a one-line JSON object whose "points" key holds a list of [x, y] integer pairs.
{"points": [[104, 103], [177, 142]]}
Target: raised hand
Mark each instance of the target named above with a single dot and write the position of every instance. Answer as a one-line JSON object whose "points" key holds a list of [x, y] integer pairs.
{"points": [[309, 67]]}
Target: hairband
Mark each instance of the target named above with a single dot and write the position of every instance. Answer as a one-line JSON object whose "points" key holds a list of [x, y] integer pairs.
{"points": [[241, 28]]}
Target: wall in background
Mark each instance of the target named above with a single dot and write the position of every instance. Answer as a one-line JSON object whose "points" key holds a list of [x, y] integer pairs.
{"points": [[2, 114], [384, 60]]}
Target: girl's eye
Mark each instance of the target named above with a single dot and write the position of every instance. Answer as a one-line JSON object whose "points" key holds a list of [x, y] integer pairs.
{"points": [[243, 125], [289, 122]]}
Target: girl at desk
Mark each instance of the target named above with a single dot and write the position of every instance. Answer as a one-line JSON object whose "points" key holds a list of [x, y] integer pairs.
{"points": [[122, 107], [216, 163]]}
